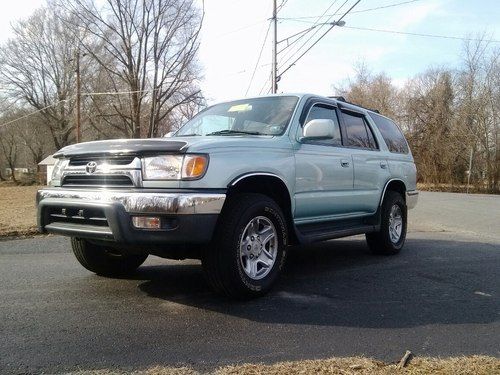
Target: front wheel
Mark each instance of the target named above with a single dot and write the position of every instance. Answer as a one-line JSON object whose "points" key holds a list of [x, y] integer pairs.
{"points": [[249, 248], [105, 261], [392, 235]]}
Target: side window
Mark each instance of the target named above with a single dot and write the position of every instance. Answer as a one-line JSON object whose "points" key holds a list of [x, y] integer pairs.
{"points": [[393, 137], [321, 111], [358, 133]]}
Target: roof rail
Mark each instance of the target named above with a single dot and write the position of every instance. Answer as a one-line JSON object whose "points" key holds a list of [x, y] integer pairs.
{"points": [[342, 99], [339, 98]]}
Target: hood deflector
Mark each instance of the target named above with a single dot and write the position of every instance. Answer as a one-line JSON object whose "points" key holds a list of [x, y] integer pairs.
{"points": [[123, 146]]}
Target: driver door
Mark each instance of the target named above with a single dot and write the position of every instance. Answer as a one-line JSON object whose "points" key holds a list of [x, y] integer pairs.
{"points": [[324, 172]]}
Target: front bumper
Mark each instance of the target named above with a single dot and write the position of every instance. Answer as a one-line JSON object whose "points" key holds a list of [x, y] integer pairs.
{"points": [[187, 217]]}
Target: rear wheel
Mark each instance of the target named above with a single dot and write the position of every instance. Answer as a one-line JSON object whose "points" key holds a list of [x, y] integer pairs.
{"points": [[392, 235], [105, 261], [249, 248]]}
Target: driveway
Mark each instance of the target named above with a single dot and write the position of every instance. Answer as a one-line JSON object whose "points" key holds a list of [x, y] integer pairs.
{"points": [[439, 297]]}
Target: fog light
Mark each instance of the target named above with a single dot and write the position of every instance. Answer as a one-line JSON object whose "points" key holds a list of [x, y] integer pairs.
{"points": [[146, 222]]}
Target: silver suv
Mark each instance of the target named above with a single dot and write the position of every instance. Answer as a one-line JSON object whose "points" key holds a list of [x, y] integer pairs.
{"points": [[234, 187]]}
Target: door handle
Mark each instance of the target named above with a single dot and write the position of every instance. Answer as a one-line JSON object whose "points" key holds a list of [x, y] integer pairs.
{"points": [[344, 163], [383, 165]]}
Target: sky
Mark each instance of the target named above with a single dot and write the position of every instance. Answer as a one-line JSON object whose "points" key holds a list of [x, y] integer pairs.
{"points": [[234, 30]]}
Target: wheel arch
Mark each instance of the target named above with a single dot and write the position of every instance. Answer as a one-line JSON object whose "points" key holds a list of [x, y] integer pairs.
{"points": [[268, 184], [394, 184]]}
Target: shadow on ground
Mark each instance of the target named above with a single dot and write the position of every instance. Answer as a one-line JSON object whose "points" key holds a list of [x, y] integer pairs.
{"points": [[338, 283]]}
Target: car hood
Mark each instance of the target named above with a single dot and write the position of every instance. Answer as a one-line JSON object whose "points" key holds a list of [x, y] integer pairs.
{"points": [[210, 143], [164, 145]]}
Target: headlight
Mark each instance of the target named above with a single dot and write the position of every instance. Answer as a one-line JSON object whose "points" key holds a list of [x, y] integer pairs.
{"points": [[174, 167], [59, 168]]}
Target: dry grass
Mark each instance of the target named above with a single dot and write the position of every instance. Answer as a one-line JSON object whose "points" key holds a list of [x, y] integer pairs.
{"points": [[449, 188], [17, 210], [477, 365]]}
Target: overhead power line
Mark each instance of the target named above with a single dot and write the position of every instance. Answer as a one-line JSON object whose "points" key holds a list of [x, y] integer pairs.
{"points": [[239, 29], [117, 92], [296, 35], [421, 35], [355, 11], [32, 113], [265, 85], [258, 59], [321, 37], [288, 56], [283, 3], [65, 100]]}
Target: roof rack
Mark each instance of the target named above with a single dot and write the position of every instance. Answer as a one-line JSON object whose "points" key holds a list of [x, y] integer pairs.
{"points": [[342, 99], [339, 98]]}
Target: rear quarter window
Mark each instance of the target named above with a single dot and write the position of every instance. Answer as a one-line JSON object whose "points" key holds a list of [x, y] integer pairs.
{"points": [[393, 137]]}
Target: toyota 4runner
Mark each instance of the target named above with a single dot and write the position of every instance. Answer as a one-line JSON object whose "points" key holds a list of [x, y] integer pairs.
{"points": [[234, 187]]}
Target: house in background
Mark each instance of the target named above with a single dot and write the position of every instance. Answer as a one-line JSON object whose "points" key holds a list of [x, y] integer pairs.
{"points": [[20, 173], [45, 168]]}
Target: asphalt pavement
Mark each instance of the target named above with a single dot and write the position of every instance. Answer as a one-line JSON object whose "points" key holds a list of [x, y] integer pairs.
{"points": [[439, 297]]}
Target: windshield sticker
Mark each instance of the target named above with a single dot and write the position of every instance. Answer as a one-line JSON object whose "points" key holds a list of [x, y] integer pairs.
{"points": [[240, 108]]}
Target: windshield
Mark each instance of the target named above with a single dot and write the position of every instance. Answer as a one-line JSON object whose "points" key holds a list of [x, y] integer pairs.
{"points": [[259, 116]]}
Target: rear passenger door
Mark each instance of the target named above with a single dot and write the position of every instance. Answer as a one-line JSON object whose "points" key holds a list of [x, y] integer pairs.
{"points": [[400, 161], [371, 170]]}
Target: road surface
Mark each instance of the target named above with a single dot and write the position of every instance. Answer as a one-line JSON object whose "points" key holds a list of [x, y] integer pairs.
{"points": [[439, 297]]}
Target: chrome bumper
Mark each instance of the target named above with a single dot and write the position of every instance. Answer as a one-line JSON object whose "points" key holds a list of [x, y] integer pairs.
{"points": [[141, 202], [187, 217], [411, 199]]}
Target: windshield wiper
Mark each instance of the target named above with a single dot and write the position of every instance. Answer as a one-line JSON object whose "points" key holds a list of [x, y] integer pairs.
{"points": [[188, 135], [232, 131]]}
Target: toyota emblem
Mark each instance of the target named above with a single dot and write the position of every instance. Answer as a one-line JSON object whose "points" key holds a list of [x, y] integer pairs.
{"points": [[91, 167]]}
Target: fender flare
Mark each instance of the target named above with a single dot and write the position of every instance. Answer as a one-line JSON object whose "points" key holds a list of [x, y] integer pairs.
{"points": [[255, 174], [385, 189]]}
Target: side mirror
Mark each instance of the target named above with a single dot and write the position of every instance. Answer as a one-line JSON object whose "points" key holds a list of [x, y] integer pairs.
{"points": [[318, 129], [169, 134]]}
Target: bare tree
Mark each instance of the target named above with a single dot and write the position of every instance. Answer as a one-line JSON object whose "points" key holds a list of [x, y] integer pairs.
{"points": [[9, 147], [37, 68], [428, 115], [370, 91], [147, 48], [479, 95], [32, 135], [2, 166]]}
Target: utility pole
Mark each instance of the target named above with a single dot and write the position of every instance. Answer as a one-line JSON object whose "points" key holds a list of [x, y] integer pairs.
{"points": [[274, 74], [78, 98], [470, 169]]}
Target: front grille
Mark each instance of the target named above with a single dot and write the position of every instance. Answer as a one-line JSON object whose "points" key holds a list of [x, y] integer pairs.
{"points": [[111, 160], [75, 215], [97, 180]]}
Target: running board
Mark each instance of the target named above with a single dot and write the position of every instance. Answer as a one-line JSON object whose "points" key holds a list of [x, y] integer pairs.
{"points": [[308, 233]]}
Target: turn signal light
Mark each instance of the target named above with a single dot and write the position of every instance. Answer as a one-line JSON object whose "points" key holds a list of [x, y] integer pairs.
{"points": [[194, 166], [146, 222]]}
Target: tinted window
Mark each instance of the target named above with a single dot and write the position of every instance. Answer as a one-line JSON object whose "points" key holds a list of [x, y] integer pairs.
{"points": [[320, 111], [393, 137], [358, 132]]}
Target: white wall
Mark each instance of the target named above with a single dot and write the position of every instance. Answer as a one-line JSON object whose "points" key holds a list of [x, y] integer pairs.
{"points": [[50, 168]]}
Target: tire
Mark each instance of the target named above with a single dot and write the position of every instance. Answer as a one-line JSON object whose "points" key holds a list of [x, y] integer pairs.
{"points": [[383, 242], [103, 261], [234, 264]]}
